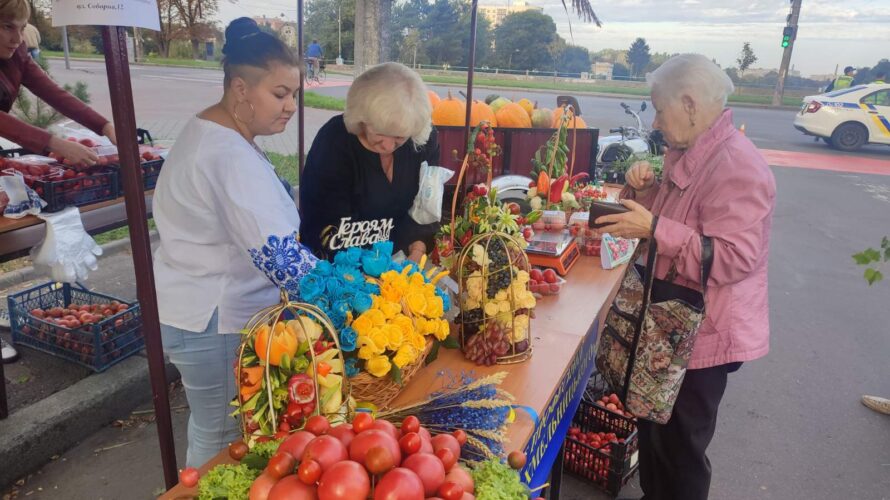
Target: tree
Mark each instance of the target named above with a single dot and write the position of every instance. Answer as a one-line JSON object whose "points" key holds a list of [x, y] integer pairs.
{"points": [[574, 59], [321, 25], [620, 71], [370, 25], [746, 58], [522, 40], [638, 56], [194, 15]]}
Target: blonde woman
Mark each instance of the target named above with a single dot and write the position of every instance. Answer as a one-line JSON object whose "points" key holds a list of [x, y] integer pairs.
{"points": [[363, 169]]}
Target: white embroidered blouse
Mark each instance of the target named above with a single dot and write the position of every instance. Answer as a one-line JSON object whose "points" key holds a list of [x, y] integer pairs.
{"points": [[228, 232]]}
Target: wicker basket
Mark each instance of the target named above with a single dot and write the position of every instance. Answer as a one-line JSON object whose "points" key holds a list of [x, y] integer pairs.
{"points": [[269, 317], [381, 391]]}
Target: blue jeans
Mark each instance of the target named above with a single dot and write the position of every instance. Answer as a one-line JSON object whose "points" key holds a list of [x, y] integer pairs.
{"points": [[205, 362]]}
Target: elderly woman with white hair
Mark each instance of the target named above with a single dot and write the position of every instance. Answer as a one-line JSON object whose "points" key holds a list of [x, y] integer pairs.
{"points": [[715, 184], [363, 169]]}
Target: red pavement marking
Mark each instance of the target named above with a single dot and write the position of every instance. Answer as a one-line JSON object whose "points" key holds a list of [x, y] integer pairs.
{"points": [[848, 164]]}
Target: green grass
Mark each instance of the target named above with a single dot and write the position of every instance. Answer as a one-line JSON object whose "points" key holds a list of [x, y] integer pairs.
{"points": [[287, 166], [586, 87], [119, 233], [78, 55], [313, 100]]}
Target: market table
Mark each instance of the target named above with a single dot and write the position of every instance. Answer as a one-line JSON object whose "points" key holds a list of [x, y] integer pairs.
{"points": [[548, 386], [18, 236]]}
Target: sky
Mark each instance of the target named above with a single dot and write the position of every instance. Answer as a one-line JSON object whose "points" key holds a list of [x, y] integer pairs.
{"points": [[832, 33]]}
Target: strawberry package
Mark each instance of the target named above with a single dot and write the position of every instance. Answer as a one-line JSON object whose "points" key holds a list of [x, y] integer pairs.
{"points": [[616, 251]]}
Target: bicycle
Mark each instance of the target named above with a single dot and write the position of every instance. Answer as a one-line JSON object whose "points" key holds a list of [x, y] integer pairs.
{"points": [[311, 77]]}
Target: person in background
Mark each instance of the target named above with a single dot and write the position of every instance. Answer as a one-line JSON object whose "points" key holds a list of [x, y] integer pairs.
{"points": [[715, 184], [32, 39], [314, 53], [228, 229], [363, 170], [880, 78], [18, 69], [844, 81]]}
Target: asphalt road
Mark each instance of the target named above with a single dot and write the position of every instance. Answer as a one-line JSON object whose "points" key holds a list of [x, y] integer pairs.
{"points": [[791, 425], [163, 93]]}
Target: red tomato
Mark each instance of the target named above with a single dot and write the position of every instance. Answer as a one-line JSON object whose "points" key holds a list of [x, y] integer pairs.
{"points": [[280, 435], [296, 443], [379, 460], [410, 424], [309, 472], [447, 458], [387, 426], [613, 398], [345, 481], [425, 434], [446, 441], [189, 477], [281, 464], [429, 469], [410, 443], [291, 488], [261, 487], [399, 484], [463, 478], [451, 491], [362, 422], [426, 446], [326, 450], [344, 433], [366, 440], [461, 437], [317, 425]]}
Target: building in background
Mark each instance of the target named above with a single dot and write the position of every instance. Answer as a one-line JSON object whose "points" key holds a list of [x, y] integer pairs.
{"points": [[286, 30], [602, 70], [496, 13]]}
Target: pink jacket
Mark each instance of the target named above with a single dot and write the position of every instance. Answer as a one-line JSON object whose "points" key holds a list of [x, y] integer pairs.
{"points": [[721, 187]]}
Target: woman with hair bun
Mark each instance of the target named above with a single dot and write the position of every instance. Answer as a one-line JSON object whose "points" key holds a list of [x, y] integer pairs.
{"points": [[363, 169], [228, 229]]}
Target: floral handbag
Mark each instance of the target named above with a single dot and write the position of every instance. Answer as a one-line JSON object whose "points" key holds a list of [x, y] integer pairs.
{"points": [[649, 335]]}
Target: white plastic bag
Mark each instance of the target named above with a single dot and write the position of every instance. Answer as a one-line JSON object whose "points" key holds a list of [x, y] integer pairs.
{"points": [[427, 207], [22, 199], [67, 253]]}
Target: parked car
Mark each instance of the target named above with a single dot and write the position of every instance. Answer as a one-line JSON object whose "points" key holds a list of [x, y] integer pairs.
{"points": [[848, 119]]}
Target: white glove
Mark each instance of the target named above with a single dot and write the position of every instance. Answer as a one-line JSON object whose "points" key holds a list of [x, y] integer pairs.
{"points": [[67, 253], [22, 199]]}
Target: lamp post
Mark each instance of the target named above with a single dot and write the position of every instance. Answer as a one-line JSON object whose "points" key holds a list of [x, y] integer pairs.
{"points": [[339, 36]]}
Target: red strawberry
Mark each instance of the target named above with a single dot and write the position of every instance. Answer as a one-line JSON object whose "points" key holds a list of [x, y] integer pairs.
{"points": [[88, 143], [536, 275], [554, 288], [465, 239], [550, 276]]}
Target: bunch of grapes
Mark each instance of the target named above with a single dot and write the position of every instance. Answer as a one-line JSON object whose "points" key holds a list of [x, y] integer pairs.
{"points": [[470, 319], [486, 346], [499, 276]]}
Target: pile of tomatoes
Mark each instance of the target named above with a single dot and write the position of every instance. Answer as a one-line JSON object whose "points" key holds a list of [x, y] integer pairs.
{"points": [[369, 458], [71, 327]]}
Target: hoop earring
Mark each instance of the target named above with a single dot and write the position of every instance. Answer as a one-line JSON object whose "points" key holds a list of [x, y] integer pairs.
{"points": [[252, 113]]}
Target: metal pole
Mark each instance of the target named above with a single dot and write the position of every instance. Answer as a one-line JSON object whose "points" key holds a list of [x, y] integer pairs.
{"points": [[301, 99], [470, 71], [339, 35], [65, 46], [118, 69], [786, 56]]}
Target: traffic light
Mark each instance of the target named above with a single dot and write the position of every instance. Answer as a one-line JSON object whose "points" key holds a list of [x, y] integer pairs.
{"points": [[787, 34]]}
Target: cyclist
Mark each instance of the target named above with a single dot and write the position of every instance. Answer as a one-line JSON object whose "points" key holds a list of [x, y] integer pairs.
{"points": [[313, 56]]}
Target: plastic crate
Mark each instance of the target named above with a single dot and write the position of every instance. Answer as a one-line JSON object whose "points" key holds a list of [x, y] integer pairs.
{"points": [[99, 186], [609, 471], [97, 346]]}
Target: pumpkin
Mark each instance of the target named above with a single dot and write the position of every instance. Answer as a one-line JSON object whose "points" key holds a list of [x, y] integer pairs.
{"points": [[450, 112], [513, 116], [491, 98], [527, 105], [434, 98], [575, 122], [542, 118], [481, 112], [498, 103]]}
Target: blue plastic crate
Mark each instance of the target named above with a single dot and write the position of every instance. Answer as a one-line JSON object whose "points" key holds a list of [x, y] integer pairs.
{"points": [[97, 346]]}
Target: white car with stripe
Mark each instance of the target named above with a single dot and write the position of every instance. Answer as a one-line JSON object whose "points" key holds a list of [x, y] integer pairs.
{"points": [[849, 118]]}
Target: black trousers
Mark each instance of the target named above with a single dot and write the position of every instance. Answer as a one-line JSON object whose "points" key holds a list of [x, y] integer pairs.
{"points": [[673, 464]]}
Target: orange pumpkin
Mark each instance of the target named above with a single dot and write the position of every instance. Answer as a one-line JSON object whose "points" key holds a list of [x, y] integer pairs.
{"points": [[434, 98], [513, 116], [527, 105], [481, 112], [450, 112], [574, 122]]}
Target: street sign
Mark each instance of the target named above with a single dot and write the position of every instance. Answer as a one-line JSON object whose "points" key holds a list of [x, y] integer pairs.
{"points": [[138, 13]]}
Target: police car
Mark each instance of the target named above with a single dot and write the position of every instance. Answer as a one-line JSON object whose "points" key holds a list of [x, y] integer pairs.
{"points": [[849, 118]]}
